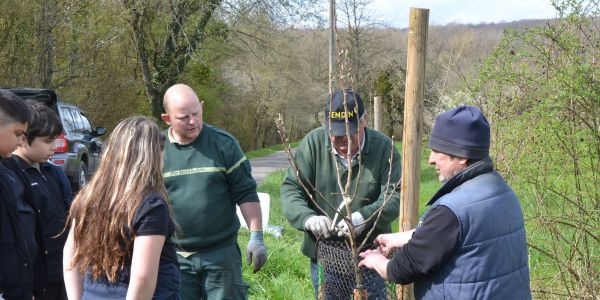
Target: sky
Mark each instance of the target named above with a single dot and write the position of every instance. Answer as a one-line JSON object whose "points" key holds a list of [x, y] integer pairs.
{"points": [[441, 12]]}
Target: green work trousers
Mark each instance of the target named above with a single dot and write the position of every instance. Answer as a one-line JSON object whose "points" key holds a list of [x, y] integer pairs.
{"points": [[212, 275]]}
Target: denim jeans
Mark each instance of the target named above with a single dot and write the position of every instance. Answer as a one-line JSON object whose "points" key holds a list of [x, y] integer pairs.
{"points": [[167, 286]]}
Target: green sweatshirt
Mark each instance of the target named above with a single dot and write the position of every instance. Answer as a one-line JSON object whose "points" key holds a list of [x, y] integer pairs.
{"points": [[205, 180], [315, 160]]}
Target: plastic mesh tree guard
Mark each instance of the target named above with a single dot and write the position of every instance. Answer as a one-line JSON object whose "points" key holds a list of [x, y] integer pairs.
{"points": [[337, 279]]}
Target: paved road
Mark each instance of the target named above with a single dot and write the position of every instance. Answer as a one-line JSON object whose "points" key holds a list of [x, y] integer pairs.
{"points": [[263, 166]]}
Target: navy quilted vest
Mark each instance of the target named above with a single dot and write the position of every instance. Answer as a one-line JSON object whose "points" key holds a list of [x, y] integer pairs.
{"points": [[490, 261]]}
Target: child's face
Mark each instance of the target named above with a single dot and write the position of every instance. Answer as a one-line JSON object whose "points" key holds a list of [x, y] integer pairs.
{"points": [[41, 149], [11, 135]]}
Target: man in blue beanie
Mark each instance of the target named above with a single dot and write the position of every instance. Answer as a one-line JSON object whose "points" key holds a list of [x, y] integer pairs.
{"points": [[470, 243]]}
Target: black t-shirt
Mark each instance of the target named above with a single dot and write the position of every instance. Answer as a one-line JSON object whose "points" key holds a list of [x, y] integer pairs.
{"points": [[153, 218]]}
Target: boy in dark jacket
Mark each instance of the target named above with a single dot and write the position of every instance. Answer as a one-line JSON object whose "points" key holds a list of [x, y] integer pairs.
{"points": [[51, 197], [18, 246]]}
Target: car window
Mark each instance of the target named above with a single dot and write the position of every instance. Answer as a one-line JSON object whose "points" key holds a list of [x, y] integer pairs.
{"points": [[86, 124], [69, 124], [77, 120]]}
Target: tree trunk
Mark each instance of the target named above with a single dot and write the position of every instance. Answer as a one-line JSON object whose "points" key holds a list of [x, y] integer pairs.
{"points": [[390, 117], [46, 39], [264, 135], [256, 135], [139, 40], [179, 45]]}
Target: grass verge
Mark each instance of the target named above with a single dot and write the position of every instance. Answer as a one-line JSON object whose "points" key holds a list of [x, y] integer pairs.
{"points": [[286, 274]]}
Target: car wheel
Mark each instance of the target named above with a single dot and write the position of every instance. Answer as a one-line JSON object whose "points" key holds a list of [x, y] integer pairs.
{"points": [[81, 177]]}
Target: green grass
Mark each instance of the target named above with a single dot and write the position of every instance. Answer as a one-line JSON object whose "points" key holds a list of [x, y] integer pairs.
{"points": [[428, 185], [286, 274], [269, 150]]}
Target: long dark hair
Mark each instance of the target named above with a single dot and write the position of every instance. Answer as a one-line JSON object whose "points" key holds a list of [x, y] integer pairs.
{"points": [[131, 168]]}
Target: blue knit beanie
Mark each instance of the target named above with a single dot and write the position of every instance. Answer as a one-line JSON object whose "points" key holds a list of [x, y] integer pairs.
{"points": [[462, 132]]}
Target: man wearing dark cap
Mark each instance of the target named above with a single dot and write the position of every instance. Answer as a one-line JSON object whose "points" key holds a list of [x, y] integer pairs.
{"points": [[336, 148], [471, 242]]}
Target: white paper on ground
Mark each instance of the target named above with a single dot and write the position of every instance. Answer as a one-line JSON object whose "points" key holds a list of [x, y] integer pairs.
{"points": [[265, 204]]}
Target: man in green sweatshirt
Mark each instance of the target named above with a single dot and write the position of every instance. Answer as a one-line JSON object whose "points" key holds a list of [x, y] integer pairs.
{"points": [[206, 175], [327, 151]]}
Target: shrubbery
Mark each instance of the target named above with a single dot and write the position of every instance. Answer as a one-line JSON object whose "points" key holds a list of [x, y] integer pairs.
{"points": [[541, 92]]}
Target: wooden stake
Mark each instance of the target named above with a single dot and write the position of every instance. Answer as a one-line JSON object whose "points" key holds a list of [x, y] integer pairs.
{"points": [[413, 126], [377, 113], [332, 52]]}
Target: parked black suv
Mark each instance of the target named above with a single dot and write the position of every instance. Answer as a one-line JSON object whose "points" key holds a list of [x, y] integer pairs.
{"points": [[78, 148]]}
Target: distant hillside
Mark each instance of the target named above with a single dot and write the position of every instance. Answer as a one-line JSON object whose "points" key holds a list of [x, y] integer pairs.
{"points": [[455, 53], [502, 25]]}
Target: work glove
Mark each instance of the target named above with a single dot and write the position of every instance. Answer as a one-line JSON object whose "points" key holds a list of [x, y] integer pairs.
{"points": [[357, 219], [256, 249], [319, 226]]}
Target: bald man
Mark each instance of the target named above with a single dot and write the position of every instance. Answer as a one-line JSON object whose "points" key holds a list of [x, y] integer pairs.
{"points": [[206, 175]]}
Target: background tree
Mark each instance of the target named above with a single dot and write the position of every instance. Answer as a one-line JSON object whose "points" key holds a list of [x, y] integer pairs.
{"points": [[271, 77], [164, 52], [87, 52], [540, 91], [357, 36]]}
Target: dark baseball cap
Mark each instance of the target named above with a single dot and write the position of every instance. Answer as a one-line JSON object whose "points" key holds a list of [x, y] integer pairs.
{"points": [[335, 114]]}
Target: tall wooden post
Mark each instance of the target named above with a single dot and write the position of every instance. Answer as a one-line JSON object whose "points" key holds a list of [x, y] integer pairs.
{"points": [[377, 113], [413, 126], [332, 52]]}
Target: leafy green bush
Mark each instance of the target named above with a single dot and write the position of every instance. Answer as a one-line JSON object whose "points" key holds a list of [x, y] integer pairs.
{"points": [[540, 90]]}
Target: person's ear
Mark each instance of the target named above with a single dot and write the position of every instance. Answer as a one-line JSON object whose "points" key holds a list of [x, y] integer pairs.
{"points": [[22, 142], [364, 118], [165, 118]]}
